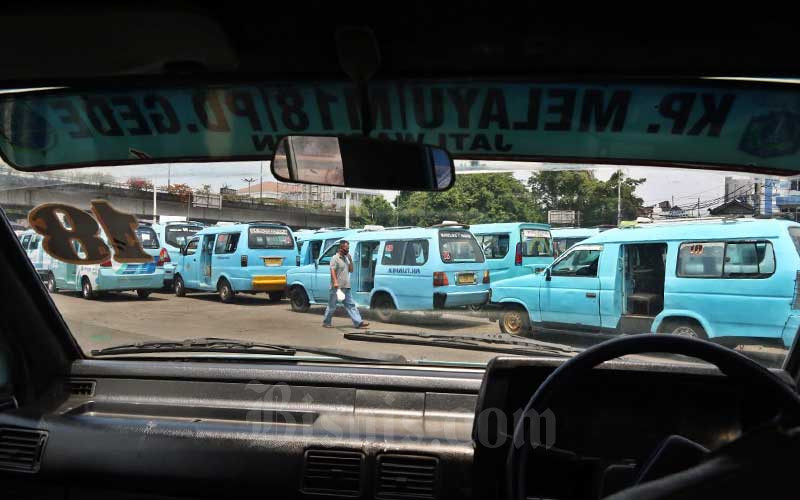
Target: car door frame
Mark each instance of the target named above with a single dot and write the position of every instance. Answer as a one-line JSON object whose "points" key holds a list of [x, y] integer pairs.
{"points": [[191, 274], [560, 294]]}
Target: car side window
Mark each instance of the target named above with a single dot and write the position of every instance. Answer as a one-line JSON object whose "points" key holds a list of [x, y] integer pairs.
{"points": [[328, 255], [416, 253], [314, 247], [226, 243], [579, 262], [191, 248], [495, 246], [393, 253], [25, 240]]}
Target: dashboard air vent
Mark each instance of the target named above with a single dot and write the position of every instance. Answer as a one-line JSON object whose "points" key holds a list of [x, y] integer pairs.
{"points": [[21, 449], [333, 473], [79, 387], [406, 477]]}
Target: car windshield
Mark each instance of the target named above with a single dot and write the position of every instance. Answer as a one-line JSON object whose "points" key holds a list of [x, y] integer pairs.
{"points": [[178, 235], [536, 243], [707, 253], [147, 237]]}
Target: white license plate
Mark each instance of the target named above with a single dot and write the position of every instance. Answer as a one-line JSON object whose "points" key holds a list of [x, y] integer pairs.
{"points": [[273, 261]]}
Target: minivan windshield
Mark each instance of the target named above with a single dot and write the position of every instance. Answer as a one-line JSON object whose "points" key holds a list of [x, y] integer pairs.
{"points": [[270, 237], [536, 243], [459, 247], [178, 235]]}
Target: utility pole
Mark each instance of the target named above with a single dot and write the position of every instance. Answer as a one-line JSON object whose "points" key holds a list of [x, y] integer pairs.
{"points": [[347, 208], [249, 180], [619, 196], [698, 207], [169, 175], [261, 185], [154, 200], [189, 205]]}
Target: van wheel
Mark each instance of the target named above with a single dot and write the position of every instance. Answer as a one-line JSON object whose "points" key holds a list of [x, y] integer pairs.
{"points": [[180, 287], [685, 328], [515, 321], [384, 308], [143, 294], [225, 291], [51, 283], [275, 296], [86, 289], [299, 300]]}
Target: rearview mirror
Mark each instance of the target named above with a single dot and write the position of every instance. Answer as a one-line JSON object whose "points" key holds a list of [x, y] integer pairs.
{"points": [[548, 275], [359, 162]]}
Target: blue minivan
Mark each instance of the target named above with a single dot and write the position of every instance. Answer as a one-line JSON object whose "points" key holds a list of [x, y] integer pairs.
{"points": [[729, 279], [250, 258], [514, 248], [174, 236], [92, 279], [407, 269]]}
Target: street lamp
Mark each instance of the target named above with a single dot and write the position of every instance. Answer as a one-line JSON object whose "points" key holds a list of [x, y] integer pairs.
{"points": [[249, 180]]}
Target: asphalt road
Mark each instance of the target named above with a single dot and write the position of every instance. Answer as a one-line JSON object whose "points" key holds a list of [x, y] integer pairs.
{"points": [[121, 318]]}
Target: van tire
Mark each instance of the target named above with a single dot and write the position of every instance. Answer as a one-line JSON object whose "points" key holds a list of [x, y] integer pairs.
{"points": [[86, 289], [299, 300], [275, 296], [514, 320], [685, 327], [225, 291], [51, 283], [179, 286], [384, 308], [143, 294]]}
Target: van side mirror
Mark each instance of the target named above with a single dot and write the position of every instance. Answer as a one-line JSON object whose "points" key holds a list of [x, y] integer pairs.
{"points": [[548, 275]]}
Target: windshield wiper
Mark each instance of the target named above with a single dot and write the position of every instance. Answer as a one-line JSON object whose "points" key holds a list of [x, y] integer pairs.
{"points": [[210, 344], [234, 346], [492, 342]]}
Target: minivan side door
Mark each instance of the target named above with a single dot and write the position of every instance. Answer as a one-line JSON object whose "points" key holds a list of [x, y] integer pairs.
{"points": [[322, 275], [225, 256], [190, 270], [571, 298]]}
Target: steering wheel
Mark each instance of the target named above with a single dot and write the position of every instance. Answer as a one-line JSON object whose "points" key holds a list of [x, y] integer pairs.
{"points": [[730, 362]]}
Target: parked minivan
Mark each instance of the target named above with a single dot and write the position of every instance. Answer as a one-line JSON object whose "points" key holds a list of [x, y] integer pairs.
{"points": [[173, 236], [31, 242], [92, 279], [250, 258], [514, 248], [737, 279], [411, 269]]}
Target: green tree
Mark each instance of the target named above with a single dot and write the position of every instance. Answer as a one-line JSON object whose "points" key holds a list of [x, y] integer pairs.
{"points": [[373, 210], [580, 190], [475, 198]]}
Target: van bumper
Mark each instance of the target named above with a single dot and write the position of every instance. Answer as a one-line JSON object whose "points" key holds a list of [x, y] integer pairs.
{"points": [[449, 300], [275, 283], [132, 282]]}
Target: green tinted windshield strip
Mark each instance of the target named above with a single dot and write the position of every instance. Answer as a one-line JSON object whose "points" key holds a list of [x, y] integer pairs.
{"points": [[712, 123]]}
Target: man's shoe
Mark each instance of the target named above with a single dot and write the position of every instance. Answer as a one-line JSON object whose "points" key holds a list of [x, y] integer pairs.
{"points": [[326, 326], [363, 324]]}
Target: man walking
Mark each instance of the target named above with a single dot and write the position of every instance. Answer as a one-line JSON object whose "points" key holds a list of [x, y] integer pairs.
{"points": [[341, 267]]}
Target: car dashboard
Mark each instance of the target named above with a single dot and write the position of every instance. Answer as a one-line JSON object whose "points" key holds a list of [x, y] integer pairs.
{"points": [[183, 429]]}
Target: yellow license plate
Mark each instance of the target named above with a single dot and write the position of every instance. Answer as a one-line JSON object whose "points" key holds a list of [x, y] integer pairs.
{"points": [[273, 261], [465, 279]]}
